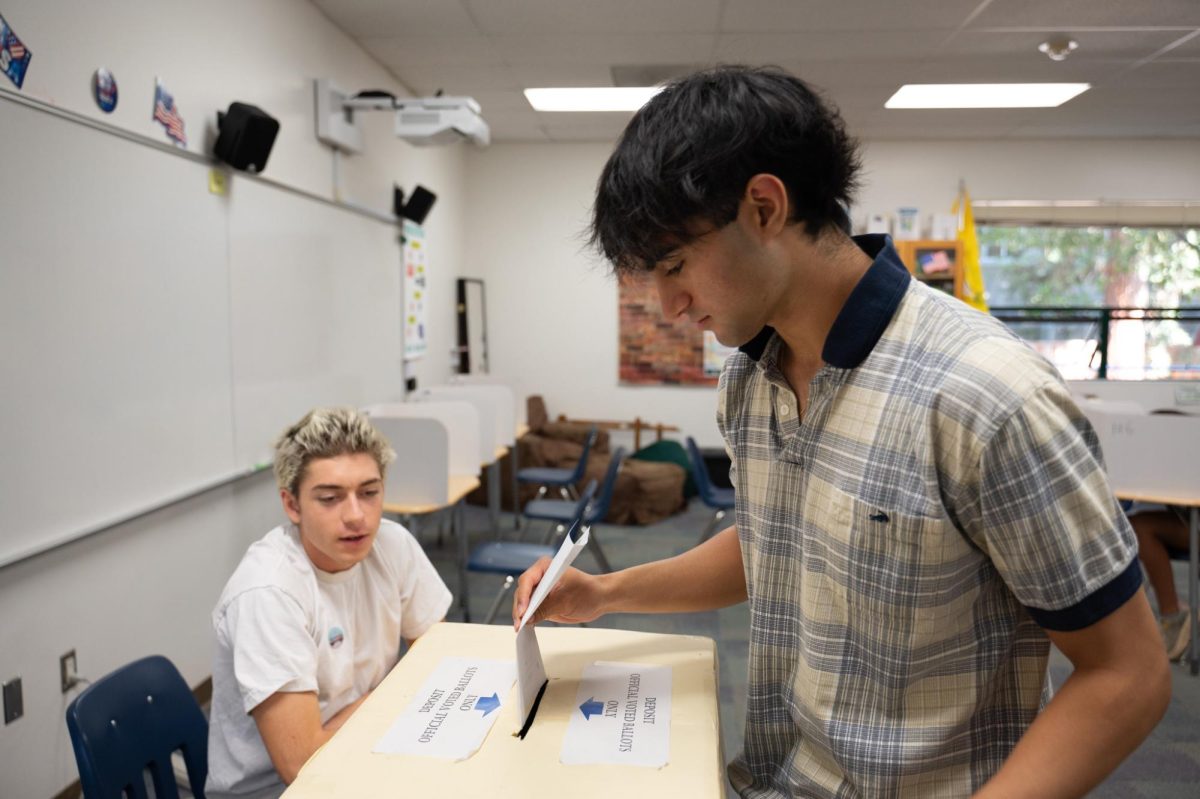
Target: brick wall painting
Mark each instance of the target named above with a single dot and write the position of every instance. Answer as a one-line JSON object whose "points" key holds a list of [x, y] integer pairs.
{"points": [[654, 351]]}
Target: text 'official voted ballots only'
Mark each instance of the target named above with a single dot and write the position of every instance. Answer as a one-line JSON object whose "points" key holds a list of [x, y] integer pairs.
{"points": [[622, 714], [452, 712]]}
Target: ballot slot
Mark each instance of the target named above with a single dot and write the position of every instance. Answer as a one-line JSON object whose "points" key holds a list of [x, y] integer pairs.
{"points": [[531, 670]]}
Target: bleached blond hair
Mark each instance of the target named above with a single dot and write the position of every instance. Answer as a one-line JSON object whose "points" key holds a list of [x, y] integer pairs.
{"points": [[327, 433]]}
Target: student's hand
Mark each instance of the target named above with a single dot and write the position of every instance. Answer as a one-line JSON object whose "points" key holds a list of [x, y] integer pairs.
{"points": [[578, 597]]}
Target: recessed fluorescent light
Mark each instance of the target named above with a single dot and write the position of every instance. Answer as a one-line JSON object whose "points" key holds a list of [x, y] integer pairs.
{"points": [[595, 98], [985, 95]]}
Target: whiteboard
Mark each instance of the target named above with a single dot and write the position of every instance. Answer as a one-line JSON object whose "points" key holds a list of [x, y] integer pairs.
{"points": [[157, 337]]}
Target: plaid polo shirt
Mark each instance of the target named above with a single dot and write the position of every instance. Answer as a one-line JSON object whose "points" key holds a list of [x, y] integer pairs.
{"points": [[940, 502]]}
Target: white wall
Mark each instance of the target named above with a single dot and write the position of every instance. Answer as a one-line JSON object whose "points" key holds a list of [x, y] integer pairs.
{"points": [[552, 309], [551, 303], [148, 586]]}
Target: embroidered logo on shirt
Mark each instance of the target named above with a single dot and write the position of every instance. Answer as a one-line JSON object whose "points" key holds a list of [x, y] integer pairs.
{"points": [[336, 636], [879, 516]]}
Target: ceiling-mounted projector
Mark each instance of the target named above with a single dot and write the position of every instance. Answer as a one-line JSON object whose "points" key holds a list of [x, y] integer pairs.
{"points": [[440, 120], [422, 121]]}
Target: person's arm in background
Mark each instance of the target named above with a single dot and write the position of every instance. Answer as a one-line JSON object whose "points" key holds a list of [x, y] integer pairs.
{"points": [[703, 578], [290, 726], [1118, 692]]}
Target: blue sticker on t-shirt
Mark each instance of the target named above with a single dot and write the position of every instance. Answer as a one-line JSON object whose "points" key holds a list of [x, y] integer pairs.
{"points": [[336, 636]]}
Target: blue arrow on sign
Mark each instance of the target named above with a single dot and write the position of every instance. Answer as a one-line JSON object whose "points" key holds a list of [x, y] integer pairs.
{"points": [[591, 708], [487, 703]]}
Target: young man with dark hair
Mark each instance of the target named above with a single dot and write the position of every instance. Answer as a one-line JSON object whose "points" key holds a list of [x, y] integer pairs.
{"points": [[921, 509]]}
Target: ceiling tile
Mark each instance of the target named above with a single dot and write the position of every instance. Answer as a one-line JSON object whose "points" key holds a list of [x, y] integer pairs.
{"points": [[1076, 14], [838, 15], [383, 18], [1182, 76], [591, 16], [1092, 44], [768, 48], [641, 48], [457, 80], [412, 50]]}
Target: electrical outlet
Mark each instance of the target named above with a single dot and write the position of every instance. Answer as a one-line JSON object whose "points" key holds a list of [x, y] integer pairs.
{"points": [[14, 704], [68, 672]]}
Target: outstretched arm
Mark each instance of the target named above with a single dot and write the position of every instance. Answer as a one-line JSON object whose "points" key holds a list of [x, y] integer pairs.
{"points": [[1116, 695], [703, 578]]}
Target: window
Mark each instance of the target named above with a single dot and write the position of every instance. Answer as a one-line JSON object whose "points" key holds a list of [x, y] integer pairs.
{"points": [[1084, 268]]}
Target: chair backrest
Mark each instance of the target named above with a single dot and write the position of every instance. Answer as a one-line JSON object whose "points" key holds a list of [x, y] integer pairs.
{"points": [[131, 721], [581, 506], [599, 508], [700, 472], [581, 467]]}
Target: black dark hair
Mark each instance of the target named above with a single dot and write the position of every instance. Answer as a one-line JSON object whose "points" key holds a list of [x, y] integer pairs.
{"points": [[683, 162]]}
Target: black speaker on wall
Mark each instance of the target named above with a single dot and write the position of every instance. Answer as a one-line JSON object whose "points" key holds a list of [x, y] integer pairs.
{"points": [[418, 205], [246, 135]]}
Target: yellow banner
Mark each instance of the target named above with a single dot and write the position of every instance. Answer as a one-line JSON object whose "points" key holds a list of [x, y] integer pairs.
{"points": [[973, 294]]}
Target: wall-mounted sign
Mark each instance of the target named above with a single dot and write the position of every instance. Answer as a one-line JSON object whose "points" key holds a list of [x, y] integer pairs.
{"points": [[104, 90]]}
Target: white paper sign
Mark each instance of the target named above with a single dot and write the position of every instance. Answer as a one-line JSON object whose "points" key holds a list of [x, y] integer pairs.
{"points": [[622, 715], [452, 712]]}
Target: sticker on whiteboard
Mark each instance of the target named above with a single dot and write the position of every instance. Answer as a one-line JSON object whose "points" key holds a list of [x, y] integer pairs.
{"points": [[104, 90], [14, 55], [166, 113]]}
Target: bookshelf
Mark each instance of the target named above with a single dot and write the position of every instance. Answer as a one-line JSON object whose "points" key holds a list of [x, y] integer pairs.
{"points": [[937, 262]]}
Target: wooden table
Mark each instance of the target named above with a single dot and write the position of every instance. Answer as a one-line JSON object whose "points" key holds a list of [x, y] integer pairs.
{"points": [[505, 766], [460, 486]]}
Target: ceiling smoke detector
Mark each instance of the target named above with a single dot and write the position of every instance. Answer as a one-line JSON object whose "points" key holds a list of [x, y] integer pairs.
{"points": [[1058, 48]]}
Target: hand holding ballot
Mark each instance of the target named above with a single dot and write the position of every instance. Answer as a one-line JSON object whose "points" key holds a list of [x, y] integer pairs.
{"points": [[578, 596]]}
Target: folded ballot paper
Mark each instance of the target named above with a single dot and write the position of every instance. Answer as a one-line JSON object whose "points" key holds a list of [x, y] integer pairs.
{"points": [[531, 672]]}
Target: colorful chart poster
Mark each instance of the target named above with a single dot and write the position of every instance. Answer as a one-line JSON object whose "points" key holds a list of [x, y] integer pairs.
{"points": [[416, 283]]}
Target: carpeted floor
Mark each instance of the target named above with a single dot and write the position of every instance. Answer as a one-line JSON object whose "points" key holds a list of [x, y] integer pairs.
{"points": [[1166, 766]]}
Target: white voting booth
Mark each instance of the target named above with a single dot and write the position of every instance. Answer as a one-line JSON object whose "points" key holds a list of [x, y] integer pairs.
{"points": [[434, 443], [496, 405]]}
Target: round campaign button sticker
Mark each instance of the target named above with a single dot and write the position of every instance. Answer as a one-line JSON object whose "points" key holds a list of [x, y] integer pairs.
{"points": [[104, 90]]}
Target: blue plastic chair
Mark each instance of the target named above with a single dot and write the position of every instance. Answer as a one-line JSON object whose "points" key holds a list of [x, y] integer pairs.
{"points": [[545, 477], [560, 513], [719, 499], [129, 722], [512, 558]]}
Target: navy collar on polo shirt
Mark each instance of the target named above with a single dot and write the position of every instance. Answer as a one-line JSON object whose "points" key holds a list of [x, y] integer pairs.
{"points": [[866, 313]]}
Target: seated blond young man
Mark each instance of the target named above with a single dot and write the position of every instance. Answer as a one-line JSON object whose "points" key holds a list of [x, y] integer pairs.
{"points": [[312, 618]]}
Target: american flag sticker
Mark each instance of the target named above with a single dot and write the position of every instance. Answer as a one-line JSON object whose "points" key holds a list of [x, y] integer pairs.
{"points": [[14, 55], [167, 115]]}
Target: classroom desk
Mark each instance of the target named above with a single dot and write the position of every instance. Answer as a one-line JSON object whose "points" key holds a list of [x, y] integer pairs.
{"points": [[460, 486], [505, 766], [1190, 501], [493, 489]]}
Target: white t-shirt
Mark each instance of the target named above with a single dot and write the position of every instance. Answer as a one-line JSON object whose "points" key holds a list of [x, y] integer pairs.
{"points": [[282, 624]]}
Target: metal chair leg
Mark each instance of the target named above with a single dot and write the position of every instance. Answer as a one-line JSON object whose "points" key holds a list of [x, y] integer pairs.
{"points": [[555, 531], [712, 527], [597, 552], [504, 589]]}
